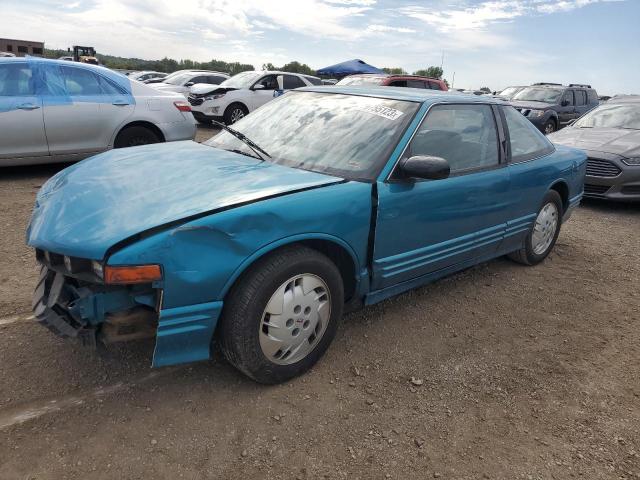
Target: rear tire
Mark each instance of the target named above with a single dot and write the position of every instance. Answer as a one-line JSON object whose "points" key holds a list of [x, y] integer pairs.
{"points": [[235, 112], [134, 136], [543, 234], [281, 316]]}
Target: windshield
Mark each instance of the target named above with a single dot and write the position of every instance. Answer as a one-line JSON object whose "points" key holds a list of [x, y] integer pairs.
{"points": [[546, 95], [177, 79], [510, 91], [242, 80], [356, 80], [612, 116], [346, 136]]}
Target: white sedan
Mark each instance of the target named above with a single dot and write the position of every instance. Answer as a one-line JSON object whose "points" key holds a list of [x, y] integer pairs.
{"points": [[242, 94], [58, 111]]}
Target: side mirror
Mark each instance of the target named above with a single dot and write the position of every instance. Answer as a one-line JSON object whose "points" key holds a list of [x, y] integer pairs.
{"points": [[258, 86], [565, 103], [426, 167], [189, 84]]}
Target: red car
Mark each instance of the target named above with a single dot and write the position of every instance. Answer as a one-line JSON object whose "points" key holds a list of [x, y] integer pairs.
{"points": [[411, 81]]}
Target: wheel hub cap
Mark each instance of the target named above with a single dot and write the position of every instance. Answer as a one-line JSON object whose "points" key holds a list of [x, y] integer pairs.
{"points": [[236, 115], [295, 319], [545, 228]]}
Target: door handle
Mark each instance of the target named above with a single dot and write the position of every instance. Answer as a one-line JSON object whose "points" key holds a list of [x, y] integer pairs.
{"points": [[28, 106], [120, 103]]}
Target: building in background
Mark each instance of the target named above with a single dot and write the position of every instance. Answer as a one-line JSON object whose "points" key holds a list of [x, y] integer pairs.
{"points": [[20, 48]]}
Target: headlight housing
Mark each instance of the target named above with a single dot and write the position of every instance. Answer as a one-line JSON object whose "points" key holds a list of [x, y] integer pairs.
{"points": [[97, 268], [632, 162], [213, 97], [535, 113]]}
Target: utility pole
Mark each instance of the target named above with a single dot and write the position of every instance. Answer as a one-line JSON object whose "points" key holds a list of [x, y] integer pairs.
{"points": [[442, 60], [453, 79]]}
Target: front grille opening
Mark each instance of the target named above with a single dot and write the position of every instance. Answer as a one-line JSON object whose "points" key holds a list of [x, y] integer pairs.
{"points": [[595, 189], [602, 168]]}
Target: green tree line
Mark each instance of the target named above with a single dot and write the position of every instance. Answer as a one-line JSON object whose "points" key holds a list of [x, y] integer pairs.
{"points": [[167, 65]]}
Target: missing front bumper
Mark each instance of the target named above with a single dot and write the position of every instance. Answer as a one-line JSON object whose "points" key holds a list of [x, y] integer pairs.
{"points": [[73, 309]]}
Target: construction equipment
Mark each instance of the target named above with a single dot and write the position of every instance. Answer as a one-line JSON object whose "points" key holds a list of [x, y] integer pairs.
{"points": [[84, 55]]}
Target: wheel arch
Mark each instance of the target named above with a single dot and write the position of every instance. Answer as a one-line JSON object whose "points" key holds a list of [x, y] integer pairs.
{"points": [[141, 123], [563, 190], [338, 251]]}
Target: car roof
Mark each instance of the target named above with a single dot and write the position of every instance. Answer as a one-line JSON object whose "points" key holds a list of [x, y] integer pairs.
{"points": [[624, 99], [405, 94]]}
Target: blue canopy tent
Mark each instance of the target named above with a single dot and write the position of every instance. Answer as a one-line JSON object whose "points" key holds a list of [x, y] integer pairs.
{"points": [[350, 67]]}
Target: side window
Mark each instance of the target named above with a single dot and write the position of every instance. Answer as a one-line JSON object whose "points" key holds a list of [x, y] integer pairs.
{"points": [[314, 81], [80, 81], [592, 97], [398, 83], [215, 79], [198, 79], [464, 135], [581, 97], [291, 81], [107, 87], [433, 85], [16, 80], [525, 140], [568, 96], [415, 83], [269, 82]]}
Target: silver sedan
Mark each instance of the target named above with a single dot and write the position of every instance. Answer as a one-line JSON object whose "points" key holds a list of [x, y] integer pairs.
{"points": [[56, 111]]}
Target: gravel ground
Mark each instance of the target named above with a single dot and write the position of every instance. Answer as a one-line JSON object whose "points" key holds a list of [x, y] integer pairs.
{"points": [[501, 371]]}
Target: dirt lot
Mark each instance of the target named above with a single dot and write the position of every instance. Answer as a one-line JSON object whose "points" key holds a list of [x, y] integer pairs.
{"points": [[518, 372]]}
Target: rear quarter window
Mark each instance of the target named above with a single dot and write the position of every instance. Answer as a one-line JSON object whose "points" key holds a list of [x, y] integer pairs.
{"points": [[526, 142]]}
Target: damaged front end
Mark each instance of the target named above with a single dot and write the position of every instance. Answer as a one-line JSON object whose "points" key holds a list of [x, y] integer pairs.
{"points": [[73, 301]]}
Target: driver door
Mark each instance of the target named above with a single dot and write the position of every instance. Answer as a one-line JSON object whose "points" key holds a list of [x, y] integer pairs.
{"points": [[425, 226], [263, 91]]}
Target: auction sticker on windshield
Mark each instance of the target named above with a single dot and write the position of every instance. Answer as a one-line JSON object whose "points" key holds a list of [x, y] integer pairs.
{"points": [[382, 111]]}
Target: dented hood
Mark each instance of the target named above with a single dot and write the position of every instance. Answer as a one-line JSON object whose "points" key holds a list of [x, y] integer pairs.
{"points": [[90, 206]]}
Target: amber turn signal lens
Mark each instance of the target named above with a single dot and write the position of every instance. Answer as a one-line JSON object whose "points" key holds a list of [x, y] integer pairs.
{"points": [[132, 274]]}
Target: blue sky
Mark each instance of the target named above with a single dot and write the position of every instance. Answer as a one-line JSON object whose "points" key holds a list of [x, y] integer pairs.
{"points": [[492, 43]]}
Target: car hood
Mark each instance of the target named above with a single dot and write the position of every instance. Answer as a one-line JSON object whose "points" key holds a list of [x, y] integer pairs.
{"points": [[618, 141], [531, 105], [206, 88], [88, 207]]}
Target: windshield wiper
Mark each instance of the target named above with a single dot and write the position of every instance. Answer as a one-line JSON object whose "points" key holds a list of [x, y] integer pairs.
{"points": [[242, 137]]}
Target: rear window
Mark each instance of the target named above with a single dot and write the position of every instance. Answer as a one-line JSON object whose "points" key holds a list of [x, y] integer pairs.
{"points": [[355, 80]]}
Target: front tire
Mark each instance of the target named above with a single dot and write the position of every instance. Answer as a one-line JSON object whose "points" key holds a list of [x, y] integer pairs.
{"points": [[549, 127], [543, 235], [234, 112], [282, 315]]}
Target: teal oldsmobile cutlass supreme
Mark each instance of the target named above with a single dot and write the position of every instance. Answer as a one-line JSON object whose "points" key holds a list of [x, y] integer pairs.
{"points": [[324, 199]]}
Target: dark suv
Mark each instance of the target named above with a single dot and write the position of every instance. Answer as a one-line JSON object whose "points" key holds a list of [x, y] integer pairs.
{"points": [[551, 106]]}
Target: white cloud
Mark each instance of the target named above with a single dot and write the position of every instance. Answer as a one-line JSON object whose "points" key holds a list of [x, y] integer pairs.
{"points": [[486, 13], [388, 29]]}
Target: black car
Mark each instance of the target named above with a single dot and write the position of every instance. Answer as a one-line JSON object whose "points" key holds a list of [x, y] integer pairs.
{"points": [[551, 106], [610, 136]]}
